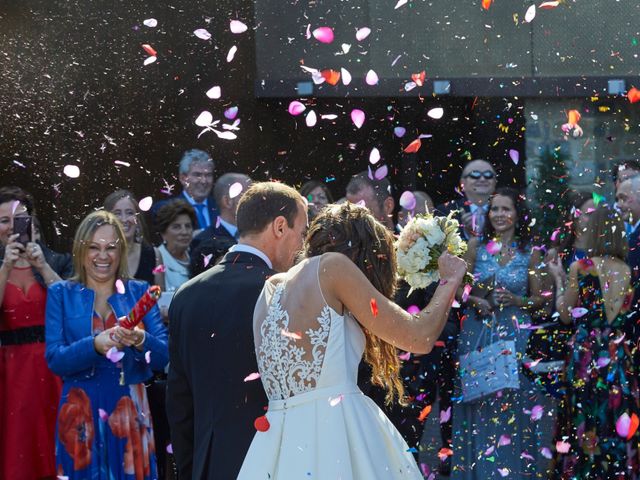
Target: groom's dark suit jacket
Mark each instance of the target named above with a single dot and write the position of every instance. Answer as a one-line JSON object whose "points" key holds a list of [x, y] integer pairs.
{"points": [[211, 409]]}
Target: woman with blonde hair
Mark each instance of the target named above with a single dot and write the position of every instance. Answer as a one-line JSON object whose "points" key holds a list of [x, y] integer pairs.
{"points": [[104, 427], [312, 326]]}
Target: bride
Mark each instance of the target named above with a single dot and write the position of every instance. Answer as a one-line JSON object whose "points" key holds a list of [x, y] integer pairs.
{"points": [[312, 325]]}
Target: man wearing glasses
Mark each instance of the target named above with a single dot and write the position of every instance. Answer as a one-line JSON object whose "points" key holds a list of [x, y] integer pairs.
{"points": [[478, 183]]}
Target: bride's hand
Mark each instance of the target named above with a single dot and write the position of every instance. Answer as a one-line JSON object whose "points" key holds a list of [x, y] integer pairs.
{"points": [[451, 267]]}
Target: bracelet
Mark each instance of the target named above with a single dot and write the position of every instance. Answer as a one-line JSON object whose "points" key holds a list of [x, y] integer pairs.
{"points": [[141, 342]]}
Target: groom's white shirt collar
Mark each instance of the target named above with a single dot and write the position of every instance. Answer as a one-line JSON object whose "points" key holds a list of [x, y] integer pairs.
{"points": [[240, 247]]}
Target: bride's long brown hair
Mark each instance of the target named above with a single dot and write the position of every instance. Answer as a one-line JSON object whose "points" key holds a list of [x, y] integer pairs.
{"points": [[351, 230]]}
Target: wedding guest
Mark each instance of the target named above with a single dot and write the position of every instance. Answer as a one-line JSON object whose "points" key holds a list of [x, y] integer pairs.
{"points": [[317, 194], [320, 424], [196, 174], [624, 170], [502, 261], [213, 242], [628, 202], [376, 195], [211, 403], [477, 183], [175, 221], [29, 391], [601, 375], [423, 204], [104, 426], [142, 257]]}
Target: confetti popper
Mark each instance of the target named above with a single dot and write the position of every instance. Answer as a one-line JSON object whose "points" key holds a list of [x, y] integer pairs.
{"points": [[142, 307]]}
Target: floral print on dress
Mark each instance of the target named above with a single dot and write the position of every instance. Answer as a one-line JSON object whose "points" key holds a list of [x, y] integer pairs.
{"points": [[75, 427]]}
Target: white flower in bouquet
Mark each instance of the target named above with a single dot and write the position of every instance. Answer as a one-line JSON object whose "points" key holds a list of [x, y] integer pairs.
{"points": [[421, 243]]}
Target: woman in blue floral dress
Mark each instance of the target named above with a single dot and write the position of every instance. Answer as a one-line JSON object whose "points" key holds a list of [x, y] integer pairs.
{"points": [[600, 441]]}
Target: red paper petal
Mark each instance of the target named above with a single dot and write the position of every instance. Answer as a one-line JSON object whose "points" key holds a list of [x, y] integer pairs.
{"points": [[149, 49], [414, 146], [331, 76], [374, 307], [261, 424]]}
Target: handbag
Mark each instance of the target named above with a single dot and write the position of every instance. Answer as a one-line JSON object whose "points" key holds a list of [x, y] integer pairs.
{"points": [[490, 368], [546, 355]]}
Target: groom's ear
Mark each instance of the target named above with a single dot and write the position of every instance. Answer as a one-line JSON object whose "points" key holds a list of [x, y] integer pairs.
{"points": [[278, 226]]}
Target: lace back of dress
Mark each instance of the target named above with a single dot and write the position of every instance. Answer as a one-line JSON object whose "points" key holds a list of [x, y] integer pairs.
{"points": [[291, 329]]}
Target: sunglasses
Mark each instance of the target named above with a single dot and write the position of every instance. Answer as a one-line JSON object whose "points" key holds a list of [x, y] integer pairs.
{"points": [[476, 174]]}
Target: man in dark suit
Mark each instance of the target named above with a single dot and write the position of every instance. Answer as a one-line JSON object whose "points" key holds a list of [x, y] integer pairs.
{"points": [[477, 182], [196, 174], [210, 406], [628, 201], [214, 241]]}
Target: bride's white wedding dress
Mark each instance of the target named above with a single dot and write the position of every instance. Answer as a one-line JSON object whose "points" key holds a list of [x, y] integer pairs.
{"points": [[321, 425]]}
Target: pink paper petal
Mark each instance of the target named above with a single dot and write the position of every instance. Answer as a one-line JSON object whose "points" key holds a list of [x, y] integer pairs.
{"points": [[363, 33], [445, 415], [308, 32], [514, 155], [579, 312], [622, 425], [214, 92], [371, 78], [145, 204], [296, 108], [537, 412], [404, 356], [493, 247], [170, 449], [231, 113], [114, 355], [465, 293], [399, 131], [207, 259], [311, 119], [251, 377], [159, 269], [374, 156], [408, 200], [400, 4], [323, 34], [147, 356], [413, 309], [120, 287], [527, 456], [150, 22], [489, 450], [235, 190], [104, 416], [202, 34], [436, 113], [504, 440], [555, 234], [603, 362], [530, 14], [504, 472], [381, 172], [150, 60], [71, 171], [357, 117], [562, 447], [231, 54], [236, 26], [335, 401], [546, 453]]}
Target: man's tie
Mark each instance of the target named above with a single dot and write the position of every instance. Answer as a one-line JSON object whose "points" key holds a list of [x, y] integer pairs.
{"points": [[202, 221]]}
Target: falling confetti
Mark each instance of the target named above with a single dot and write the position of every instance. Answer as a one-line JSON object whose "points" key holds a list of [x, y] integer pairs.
{"points": [[323, 34], [214, 92], [71, 171], [530, 14], [514, 155], [120, 287], [237, 27], [232, 53], [235, 190], [408, 200], [150, 22], [362, 33], [414, 146], [251, 377], [202, 34], [114, 355], [374, 156], [374, 307], [436, 113], [371, 78], [296, 108], [145, 204], [357, 117]]}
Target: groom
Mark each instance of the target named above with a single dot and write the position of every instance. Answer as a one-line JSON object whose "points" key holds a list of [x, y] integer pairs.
{"points": [[210, 406]]}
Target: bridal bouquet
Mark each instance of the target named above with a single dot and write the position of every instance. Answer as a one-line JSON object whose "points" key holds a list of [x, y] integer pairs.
{"points": [[420, 244]]}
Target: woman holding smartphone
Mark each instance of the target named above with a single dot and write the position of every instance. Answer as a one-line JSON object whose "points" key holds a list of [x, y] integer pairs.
{"points": [[29, 391]]}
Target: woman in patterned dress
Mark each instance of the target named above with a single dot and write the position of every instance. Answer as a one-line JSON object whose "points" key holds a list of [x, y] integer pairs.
{"points": [[104, 427], [600, 440]]}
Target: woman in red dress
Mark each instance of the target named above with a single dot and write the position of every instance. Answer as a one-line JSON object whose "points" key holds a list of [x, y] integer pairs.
{"points": [[29, 391]]}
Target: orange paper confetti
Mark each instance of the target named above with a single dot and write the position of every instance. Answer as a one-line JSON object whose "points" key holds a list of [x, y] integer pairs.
{"points": [[424, 413], [633, 426], [486, 4], [414, 146], [374, 307], [418, 78], [331, 76], [633, 95]]}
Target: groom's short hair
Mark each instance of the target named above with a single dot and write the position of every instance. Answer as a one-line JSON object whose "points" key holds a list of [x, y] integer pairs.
{"points": [[263, 202]]}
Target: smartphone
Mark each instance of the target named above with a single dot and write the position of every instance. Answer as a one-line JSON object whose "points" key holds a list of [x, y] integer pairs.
{"points": [[22, 226]]}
